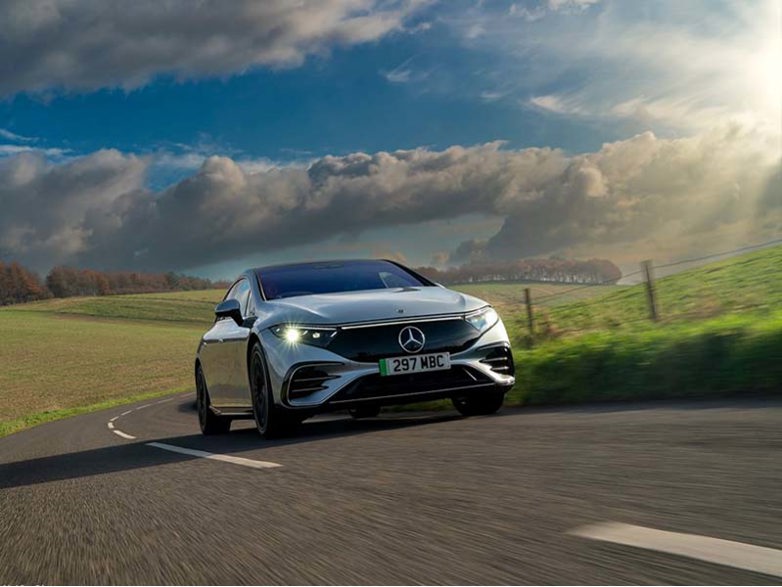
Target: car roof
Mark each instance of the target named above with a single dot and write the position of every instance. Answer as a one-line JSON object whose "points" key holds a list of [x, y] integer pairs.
{"points": [[335, 262]]}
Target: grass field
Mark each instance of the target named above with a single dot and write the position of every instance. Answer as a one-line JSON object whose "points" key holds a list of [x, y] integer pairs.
{"points": [[66, 356], [57, 362], [508, 297], [181, 306], [748, 284], [721, 333]]}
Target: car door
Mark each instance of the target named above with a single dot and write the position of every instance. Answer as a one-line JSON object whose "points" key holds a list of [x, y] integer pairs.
{"points": [[214, 356], [235, 339]]}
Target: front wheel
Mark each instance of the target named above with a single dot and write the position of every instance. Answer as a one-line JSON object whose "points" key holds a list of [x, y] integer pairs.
{"points": [[209, 422], [271, 421], [479, 405]]}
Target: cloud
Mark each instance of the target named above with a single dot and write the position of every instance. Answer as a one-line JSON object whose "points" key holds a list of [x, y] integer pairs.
{"points": [[672, 67], [558, 104], [83, 45], [492, 96], [49, 210], [12, 136], [398, 76], [404, 74], [96, 210], [53, 152], [537, 12], [571, 5]]}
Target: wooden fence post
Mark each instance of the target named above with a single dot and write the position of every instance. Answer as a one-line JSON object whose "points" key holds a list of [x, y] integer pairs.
{"points": [[646, 267], [530, 316]]}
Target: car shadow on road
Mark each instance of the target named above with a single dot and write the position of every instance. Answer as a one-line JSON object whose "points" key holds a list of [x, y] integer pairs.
{"points": [[138, 455]]}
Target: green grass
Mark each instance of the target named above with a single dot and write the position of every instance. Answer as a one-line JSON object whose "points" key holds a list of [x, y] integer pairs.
{"points": [[722, 356], [52, 362], [67, 356], [17, 424], [189, 306], [508, 297], [748, 284], [721, 334]]}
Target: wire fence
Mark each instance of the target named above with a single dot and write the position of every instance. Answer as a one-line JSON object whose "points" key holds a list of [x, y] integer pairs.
{"points": [[650, 301]]}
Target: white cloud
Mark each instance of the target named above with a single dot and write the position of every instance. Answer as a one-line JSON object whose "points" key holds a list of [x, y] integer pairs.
{"points": [[492, 96], [53, 153], [11, 136], [96, 210], [571, 5], [87, 44], [558, 104], [398, 76], [671, 66], [404, 73]]}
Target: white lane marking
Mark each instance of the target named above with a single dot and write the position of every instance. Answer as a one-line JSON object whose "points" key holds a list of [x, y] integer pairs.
{"points": [[759, 559], [216, 457], [110, 423]]}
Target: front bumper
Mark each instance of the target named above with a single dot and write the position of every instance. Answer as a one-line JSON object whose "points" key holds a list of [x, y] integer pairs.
{"points": [[307, 377]]}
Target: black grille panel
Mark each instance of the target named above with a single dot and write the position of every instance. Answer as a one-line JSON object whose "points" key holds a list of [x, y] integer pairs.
{"points": [[375, 386], [306, 381], [372, 343], [500, 359]]}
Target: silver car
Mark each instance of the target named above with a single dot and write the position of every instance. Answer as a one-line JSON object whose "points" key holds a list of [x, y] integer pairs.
{"points": [[291, 341]]}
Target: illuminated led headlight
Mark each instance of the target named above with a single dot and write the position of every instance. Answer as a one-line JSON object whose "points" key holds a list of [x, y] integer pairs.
{"points": [[314, 335], [483, 319]]}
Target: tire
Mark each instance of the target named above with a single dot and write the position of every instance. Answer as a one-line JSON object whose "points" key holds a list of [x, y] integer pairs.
{"points": [[364, 412], [479, 405], [270, 420], [209, 422]]}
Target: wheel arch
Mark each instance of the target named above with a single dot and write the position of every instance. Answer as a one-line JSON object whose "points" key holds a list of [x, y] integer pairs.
{"points": [[251, 341]]}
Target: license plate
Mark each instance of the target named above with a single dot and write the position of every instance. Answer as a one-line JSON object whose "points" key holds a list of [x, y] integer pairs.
{"points": [[415, 364]]}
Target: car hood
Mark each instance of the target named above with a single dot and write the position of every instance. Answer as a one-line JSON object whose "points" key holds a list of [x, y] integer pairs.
{"points": [[369, 306]]}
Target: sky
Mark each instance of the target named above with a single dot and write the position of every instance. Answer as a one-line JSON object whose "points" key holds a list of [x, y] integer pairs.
{"points": [[210, 137]]}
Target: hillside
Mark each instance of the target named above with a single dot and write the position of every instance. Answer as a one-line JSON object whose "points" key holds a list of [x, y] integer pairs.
{"points": [[508, 297], [720, 335], [181, 306], [73, 354], [746, 284]]}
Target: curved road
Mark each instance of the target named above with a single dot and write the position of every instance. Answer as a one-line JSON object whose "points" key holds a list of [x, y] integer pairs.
{"points": [[427, 498]]}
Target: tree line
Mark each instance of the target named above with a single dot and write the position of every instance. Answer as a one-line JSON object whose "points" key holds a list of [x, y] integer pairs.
{"points": [[19, 284], [591, 271]]}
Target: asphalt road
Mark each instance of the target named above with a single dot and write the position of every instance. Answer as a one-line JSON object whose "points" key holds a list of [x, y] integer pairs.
{"points": [[399, 499]]}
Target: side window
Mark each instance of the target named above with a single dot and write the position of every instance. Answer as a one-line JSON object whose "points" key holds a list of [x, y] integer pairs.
{"points": [[231, 295], [242, 293], [250, 311]]}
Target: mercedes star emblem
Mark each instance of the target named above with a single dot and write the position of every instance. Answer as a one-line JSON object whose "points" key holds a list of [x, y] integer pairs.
{"points": [[411, 339]]}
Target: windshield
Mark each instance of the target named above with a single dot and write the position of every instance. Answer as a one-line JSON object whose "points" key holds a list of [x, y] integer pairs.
{"points": [[323, 278]]}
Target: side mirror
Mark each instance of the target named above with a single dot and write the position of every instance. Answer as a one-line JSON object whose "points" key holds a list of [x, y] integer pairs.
{"points": [[229, 309]]}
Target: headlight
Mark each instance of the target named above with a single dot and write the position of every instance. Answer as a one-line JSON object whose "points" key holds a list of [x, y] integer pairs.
{"points": [[298, 334], [483, 319]]}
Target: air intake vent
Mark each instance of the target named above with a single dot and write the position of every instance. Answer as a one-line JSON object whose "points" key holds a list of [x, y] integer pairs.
{"points": [[308, 380], [500, 360]]}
